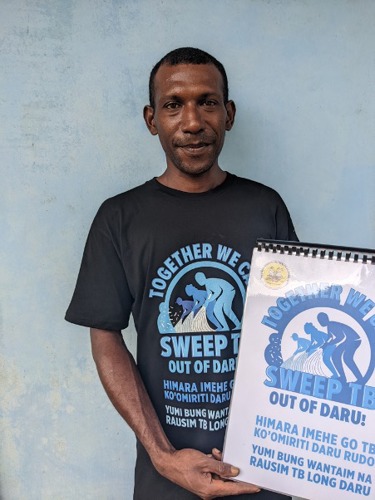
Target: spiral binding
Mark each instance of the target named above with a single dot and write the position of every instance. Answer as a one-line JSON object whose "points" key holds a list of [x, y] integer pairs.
{"points": [[318, 251]]}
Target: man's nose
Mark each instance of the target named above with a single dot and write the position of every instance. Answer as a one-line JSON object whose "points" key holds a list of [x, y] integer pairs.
{"points": [[192, 121]]}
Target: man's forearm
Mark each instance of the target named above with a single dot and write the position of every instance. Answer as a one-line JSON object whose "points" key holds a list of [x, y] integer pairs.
{"points": [[206, 476], [121, 379]]}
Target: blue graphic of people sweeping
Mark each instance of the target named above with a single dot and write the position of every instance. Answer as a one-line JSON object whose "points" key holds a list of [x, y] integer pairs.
{"points": [[333, 350], [207, 306], [344, 342], [302, 344], [187, 307], [220, 296], [318, 338], [200, 298]]}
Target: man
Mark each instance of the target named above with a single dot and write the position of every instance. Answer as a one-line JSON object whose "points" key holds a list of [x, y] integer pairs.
{"points": [[139, 259]]}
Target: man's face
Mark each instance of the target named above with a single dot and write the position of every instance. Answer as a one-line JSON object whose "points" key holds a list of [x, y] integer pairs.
{"points": [[190, 116]]}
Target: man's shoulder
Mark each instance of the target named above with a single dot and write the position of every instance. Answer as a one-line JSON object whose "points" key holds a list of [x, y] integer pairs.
{"points": [[127, 203], [129, 197], [252, 187], [130, 194]]}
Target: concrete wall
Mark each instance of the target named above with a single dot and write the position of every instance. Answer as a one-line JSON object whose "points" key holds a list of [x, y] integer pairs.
{"points": [[73, 81]]}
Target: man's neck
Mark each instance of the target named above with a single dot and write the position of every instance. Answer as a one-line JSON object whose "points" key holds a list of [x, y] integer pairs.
{"points": [[193, 184]]}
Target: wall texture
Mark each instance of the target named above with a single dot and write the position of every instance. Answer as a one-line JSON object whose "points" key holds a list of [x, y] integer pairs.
{"points": [[73, 82]]}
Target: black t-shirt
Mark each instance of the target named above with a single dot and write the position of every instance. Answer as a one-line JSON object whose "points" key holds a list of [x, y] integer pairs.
{"points": [[179, 262]]}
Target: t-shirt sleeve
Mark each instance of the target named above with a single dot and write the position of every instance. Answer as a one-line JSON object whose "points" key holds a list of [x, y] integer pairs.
{"points": [[284, 225], [101, 298]]}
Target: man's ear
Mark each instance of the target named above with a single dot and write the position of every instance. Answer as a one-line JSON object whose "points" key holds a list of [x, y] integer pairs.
{"points": [[231, 113], [148, 115]]}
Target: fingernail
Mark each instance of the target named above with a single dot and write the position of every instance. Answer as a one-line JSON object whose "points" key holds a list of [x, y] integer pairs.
{"points": [[234, 470]]}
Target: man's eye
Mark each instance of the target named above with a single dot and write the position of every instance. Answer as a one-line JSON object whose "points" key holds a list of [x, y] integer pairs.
{"points": [[209, 102], [172, 105]]}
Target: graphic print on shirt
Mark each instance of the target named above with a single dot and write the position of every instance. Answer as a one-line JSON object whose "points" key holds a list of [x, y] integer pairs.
{"points": [[201, 290]]}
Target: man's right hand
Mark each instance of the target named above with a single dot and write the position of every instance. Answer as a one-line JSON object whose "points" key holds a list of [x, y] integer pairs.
{"points": [[204, 475]]}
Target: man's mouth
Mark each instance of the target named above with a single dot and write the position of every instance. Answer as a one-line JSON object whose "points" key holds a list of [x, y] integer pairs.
{"points": [[194, 146]]}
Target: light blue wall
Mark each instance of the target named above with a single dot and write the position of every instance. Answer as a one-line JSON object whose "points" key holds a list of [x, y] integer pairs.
{"points": [[73, 81]]}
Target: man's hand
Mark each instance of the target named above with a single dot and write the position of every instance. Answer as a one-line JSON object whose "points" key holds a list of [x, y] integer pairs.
{"points": [[204, 475]]}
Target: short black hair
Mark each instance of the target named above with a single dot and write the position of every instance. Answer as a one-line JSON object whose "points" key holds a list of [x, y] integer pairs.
{"points": [[187, 55]]}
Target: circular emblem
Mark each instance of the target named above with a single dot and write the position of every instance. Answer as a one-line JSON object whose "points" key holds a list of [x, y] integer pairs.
{"points": [[275, 275]]}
